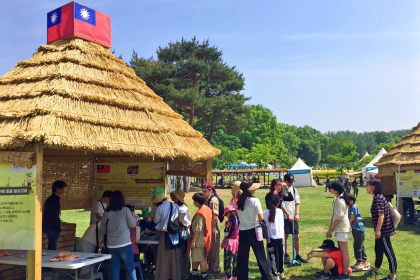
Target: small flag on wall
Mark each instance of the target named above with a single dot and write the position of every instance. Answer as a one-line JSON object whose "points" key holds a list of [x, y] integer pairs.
{"points": [[103, 169], [77, 20]]}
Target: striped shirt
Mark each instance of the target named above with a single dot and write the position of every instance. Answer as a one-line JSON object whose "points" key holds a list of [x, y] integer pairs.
{"points": [[162, 215], [380, 205]]}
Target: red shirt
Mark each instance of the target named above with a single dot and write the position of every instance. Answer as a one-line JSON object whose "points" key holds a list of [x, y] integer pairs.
{"points": [[338, 259]]}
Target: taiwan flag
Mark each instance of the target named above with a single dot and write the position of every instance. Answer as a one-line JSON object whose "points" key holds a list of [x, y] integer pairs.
{"points": [[77, 20], [103, 169]]}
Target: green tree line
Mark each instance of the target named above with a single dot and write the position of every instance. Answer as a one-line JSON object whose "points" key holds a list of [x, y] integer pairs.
{"points": [[192, 77]]}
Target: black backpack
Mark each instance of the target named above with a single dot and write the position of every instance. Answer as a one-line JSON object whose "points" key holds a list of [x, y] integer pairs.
{"points": [[221, 207], [173, 226]]}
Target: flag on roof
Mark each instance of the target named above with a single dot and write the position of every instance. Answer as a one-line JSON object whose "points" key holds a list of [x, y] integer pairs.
{"points": [[77, 20]]}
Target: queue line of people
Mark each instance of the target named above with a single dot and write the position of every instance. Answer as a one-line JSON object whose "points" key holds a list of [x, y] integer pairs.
{"points": [[196, 243]]}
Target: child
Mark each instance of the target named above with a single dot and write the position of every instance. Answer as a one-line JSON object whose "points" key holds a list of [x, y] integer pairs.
{"points": [[230, 243], [332, 260], [358, 231], [146, 227], [275, 226]]}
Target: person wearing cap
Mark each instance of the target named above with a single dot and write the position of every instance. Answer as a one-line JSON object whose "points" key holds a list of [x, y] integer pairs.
{"points": [[332, 260], [250, 213], [291, 221], [99, 207], [327, 181], [200, 240], [340, 224], [236, 192], [146, 227], [230, 243], [168, 262], [213, 203], [178, 197]]}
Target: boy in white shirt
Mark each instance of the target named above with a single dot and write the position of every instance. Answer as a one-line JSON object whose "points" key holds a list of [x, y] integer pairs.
{"points": [[99, 206]]}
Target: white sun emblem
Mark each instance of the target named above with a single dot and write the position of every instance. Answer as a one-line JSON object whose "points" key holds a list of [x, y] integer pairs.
{"points": [[84, 13], [54, 17]]}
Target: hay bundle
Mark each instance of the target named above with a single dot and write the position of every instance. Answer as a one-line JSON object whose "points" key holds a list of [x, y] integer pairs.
{"points": [[75, 94]]}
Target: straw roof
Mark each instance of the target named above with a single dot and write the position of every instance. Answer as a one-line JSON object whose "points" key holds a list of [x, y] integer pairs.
{"points": [[407, 150], [75, 94]]}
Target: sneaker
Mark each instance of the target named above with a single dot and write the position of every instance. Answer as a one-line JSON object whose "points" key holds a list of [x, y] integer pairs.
{"points": [[319, 272], [286, 259], [282, 276], [389, 278], [323, 276], [302, 260], [366, 264], [204, 278], [372, 272], [193, 277], [342, 277], [358, 267]]}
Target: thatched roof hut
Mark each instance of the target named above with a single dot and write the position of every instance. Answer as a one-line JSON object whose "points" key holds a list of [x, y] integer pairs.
{"points": [[75, 94], [407, 151]]}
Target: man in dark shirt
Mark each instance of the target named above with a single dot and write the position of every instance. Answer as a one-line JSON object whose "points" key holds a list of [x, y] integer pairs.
{"points": [[51, 215]]}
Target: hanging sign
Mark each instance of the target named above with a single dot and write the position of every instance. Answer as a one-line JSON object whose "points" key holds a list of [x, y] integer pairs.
{"points": [[17, 206], [134, 180]]}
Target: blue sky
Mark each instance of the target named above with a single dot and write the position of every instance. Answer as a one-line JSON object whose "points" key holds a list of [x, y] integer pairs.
{"points": [[333, 65]]}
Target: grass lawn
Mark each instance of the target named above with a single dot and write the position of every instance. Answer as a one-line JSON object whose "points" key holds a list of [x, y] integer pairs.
{"points": [[315, 213]]}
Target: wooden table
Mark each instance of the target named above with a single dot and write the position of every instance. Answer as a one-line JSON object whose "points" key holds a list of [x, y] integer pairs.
{"points": [[69, 265]]}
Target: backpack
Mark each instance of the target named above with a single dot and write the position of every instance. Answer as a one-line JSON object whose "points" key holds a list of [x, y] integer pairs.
{"points": [[173, 226], [395, 215], [221, 207]]}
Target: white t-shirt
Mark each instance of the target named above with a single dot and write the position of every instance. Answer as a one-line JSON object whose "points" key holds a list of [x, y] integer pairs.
{"points": [[183, 212], [96, 208], [276, 229], [90, 233], [249, 217], [291, 205]]}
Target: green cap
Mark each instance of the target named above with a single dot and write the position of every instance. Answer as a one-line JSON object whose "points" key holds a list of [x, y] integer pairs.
{"points": [[146, 211], [158, 191]]}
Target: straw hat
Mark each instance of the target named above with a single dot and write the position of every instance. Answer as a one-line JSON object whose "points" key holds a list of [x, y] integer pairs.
{"points": [[236, 187], [180, 195], [158, 195], [250, 186]]}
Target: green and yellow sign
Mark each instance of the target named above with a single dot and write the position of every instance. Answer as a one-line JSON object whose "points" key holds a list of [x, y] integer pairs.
{"points": [[17, 206], [134, 180]]}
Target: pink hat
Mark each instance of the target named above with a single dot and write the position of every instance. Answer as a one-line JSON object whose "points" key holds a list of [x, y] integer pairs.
{"points": [[228, 209]]}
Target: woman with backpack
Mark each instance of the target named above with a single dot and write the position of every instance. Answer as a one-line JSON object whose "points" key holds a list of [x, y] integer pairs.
{"points": [[185, 223], [249, 214], [116, 223], [383, 228], [168, 261]]}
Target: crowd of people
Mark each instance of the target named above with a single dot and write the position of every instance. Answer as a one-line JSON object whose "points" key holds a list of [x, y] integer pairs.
{"points": [[188, 244]]}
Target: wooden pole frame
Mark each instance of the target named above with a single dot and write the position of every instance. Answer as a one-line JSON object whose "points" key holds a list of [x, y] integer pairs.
{"points": [[34, 257]]}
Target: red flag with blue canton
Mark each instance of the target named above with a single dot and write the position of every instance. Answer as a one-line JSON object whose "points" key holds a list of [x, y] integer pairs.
{"points": [[103, 169], [77, 20]]}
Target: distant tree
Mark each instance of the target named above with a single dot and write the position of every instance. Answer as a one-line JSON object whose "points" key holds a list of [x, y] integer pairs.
{"points": [[292, 142], [193, 79], [222, 137], [310, 151], [386, 146], [346, 156], [262, 155], [226, 157]]}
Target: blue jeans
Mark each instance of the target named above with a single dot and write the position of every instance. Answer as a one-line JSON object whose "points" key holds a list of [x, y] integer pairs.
{"points": [[124, 255], [52, 236]]}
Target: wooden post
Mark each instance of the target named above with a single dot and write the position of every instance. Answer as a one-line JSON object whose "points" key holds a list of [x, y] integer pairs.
{"points": [[34, 257], [209, 171], [400, 209]]}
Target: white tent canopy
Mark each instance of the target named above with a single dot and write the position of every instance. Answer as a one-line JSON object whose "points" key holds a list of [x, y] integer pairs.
{"points": [[371, 169], [302, 173]]}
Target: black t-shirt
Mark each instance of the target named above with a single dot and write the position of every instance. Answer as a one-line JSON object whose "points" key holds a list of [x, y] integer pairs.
{"points": [[51, 214]]}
